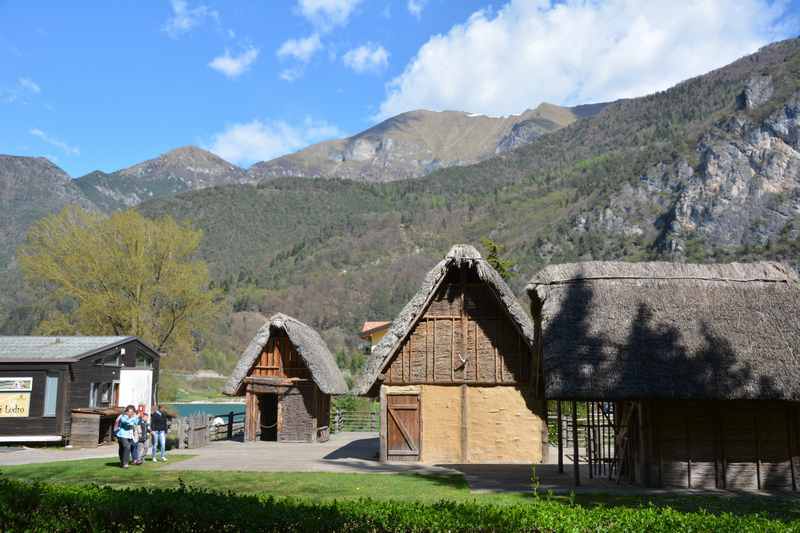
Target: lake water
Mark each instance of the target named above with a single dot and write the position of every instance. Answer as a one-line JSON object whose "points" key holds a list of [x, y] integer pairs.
{"points": [[186, 409]]}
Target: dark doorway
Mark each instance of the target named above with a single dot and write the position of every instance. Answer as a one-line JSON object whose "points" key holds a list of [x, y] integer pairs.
{"points": [[268, 406]]}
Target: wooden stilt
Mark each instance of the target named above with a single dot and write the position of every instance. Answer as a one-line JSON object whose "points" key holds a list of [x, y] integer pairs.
{"points": [[560, 432], [576, 467]]}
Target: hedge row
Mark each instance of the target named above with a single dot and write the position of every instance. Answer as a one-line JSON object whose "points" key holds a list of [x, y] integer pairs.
{"points": [[38, 507]]}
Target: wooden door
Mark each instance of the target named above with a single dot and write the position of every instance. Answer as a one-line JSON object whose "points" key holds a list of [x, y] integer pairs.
{"points": [[402, 427]]}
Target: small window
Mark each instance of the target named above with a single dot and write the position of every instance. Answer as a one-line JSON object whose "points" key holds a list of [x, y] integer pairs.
{"points": [[93, 390], [105, 393], [144, 361], [50, 395], [112, 361]]}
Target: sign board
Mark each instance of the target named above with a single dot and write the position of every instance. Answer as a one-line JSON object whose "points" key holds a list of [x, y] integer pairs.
{"points": [[15, 397], [136, 387]]}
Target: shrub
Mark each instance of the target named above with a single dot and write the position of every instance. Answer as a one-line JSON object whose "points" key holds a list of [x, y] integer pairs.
{"points": [[39, 507]]}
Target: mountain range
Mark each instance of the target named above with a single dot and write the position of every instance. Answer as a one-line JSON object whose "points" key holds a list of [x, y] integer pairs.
{"points": [[708, 170]]}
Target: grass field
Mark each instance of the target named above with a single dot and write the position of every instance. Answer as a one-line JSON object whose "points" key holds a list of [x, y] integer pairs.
{"points": [[397, 487]]}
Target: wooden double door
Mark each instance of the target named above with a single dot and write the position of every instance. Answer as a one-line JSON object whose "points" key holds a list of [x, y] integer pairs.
{"points": [[403, 427]]}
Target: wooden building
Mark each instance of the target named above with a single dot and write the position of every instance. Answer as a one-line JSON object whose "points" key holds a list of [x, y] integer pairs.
{"points": [[43, 379], [455, 373], [701, 364], [287, 375]]}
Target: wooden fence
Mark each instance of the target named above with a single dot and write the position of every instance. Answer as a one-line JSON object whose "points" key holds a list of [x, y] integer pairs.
{"points": [[343, 420], [197, 430]]}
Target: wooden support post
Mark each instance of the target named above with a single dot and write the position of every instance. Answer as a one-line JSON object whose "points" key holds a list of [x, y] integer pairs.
{"points": [[643, 478], [758, 453], [464, 424], [789, 448], [382, 439], [230, 425], [590, 437], [560, 431], [722, 452], [576, 467]]}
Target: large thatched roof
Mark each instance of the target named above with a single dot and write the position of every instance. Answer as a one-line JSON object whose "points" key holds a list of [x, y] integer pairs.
{"points": [[662, 330], [309, 345], [460, 255]]}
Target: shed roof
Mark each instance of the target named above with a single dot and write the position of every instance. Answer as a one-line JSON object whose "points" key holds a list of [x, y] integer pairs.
{"points": [[54, 349], [309, 345], [614, 330], [460, 255]]}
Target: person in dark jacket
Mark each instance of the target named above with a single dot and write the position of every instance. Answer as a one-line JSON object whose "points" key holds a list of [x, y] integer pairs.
{"points": [[158, 426]]}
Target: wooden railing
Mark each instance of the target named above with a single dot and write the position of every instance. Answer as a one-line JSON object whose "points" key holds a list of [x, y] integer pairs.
{"points": [[199, 429], [342, 420]]}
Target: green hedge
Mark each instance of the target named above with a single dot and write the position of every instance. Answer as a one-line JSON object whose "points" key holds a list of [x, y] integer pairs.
{"points": [[37, 507]]}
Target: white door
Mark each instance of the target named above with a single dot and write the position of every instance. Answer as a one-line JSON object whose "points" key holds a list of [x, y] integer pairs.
{"points": [[136, 387]]}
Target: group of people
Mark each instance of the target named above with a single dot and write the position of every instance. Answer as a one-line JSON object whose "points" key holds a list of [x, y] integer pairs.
{"points": [[135, 428]]}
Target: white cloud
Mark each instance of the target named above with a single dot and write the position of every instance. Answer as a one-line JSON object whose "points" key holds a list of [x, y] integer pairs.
{"points": [[291, 74], [234, 66], [24, 87], [300, 49], [29, 85], [415, 7], [578, 51], [327, 14], [52, 141], [250, 142], [184, 18], [367, 57]]}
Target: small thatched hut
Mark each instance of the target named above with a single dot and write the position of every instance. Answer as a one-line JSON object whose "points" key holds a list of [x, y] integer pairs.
{"points": [[287, 375], [702, 362], [455, 372]]}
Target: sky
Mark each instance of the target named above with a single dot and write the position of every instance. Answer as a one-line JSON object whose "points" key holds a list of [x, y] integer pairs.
{"points": [[107, 84]]}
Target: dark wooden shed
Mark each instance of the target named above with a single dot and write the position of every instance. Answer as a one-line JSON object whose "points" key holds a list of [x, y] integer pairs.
{"points": [[456, 372], [287, 375], [43, 379], [701, 364]]}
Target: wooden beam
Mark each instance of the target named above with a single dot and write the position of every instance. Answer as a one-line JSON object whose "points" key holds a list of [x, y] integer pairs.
{"points": [[464, 424], [789, 428], [758, 453], [560, 432], [643, 478], [576, 467], [384, 420]]}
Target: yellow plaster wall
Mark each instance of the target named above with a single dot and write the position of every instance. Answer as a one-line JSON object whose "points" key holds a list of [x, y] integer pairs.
{"points": [[441, 424], [502, 428]]}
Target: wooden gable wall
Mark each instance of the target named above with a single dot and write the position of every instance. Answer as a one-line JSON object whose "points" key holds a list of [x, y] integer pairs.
{"points": [[465, 336], [279, 358]]}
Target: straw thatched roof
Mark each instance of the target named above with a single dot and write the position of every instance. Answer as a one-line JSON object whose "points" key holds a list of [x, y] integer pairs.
{"points": [[459, 256], [618, 331], [309, 345]]}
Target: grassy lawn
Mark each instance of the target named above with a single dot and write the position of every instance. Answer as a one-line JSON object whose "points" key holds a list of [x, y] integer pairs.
{"points": [[400, 487]]}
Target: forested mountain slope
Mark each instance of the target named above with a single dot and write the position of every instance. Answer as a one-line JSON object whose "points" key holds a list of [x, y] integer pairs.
{"points": [[704, 171]]}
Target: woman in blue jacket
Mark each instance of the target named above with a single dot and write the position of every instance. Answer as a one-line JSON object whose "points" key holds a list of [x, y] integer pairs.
{"points": [[125, 423]]}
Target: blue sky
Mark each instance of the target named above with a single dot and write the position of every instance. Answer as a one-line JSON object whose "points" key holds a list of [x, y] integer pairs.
{"points": [[103, 85]]}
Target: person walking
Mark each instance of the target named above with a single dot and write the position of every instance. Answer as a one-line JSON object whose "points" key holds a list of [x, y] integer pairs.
{"points": [[124, 431], [158, 425], [142, 433]]}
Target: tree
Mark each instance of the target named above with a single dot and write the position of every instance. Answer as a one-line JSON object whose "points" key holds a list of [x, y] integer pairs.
{"points": [[119, 275], [503, 266]]}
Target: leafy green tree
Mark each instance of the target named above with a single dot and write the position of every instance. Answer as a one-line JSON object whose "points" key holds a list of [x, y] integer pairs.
{"points": [[503, 266], [119, 275]]}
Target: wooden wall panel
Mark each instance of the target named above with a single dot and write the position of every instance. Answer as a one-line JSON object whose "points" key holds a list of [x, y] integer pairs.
{"points": [[462, 339]]}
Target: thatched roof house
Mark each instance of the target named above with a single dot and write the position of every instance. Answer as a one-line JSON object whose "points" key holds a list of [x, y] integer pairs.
{"points": [[459, 256], [698, 364], [663, 330], [309, 346], [287, 374], [455, 372]]}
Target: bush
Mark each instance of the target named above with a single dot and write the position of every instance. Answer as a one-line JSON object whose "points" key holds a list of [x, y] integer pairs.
{"points": [[38, 507]]}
